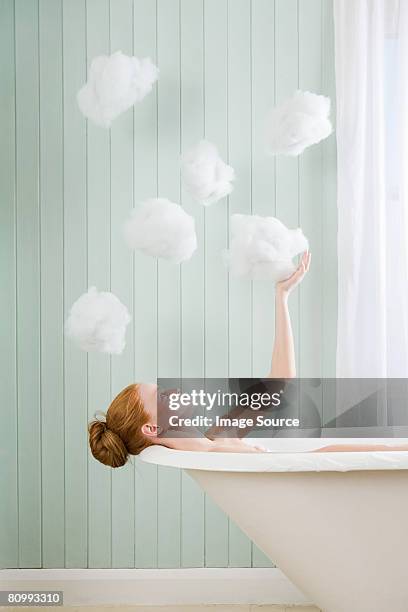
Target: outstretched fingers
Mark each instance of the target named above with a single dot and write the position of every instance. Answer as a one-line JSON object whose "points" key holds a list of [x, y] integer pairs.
{"points": [[304, 263], [303, 267]]}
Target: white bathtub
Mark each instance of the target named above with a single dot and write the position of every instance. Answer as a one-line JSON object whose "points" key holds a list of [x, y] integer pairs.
{"points": [[335, 523]]}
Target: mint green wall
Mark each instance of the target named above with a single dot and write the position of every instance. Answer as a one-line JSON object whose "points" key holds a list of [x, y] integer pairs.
{"points": [[65, 188]]}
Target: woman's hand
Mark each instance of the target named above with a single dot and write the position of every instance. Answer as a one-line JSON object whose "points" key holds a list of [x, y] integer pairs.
{"points": [[286, 286]]}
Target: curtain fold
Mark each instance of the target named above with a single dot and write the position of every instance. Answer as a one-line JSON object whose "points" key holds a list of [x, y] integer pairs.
{"points": [[371, 38]]}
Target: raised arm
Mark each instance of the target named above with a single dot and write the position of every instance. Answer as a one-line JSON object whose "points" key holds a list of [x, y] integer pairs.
{"points": [[283, 356]]}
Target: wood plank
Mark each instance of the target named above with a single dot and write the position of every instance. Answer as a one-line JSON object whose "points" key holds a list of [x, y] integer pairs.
{"points": [[99, 274], [287, 168], [263, 170], [28, 284], [169, 275], [8, 355], [192, 272], [123, 482], [145, 281], [52, 286], [216, 240], [263, 188], [240, 201], [75, 283]]}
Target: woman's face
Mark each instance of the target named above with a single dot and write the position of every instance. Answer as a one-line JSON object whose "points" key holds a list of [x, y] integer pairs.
{"points": [[157, 404]]}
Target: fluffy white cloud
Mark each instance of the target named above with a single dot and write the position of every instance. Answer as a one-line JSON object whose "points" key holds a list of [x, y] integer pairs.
{"points": [[206, 177], [97, 322], [262, 248], [297, 123], [161, 228], [115, 83]]}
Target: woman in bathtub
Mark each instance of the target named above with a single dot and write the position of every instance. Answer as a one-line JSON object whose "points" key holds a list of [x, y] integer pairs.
{"points": [[130, 424]]}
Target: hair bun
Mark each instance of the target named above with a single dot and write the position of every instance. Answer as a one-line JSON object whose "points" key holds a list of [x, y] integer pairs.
{"points": [[106, 446]]}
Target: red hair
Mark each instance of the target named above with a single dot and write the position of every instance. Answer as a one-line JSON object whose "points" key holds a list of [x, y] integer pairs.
{"points": [[121, 435]]}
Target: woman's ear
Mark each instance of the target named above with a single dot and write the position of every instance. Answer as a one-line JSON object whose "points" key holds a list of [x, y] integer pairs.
{"points": [[151, 430]]}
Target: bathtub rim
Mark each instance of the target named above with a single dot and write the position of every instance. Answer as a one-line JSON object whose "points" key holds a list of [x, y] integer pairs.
{"points": [[277, 461]]}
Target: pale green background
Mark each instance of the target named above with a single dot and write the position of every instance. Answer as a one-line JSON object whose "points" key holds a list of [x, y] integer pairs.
{"points": [[66, 187]]}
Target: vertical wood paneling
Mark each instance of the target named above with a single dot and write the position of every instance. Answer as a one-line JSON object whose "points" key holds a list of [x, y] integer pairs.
{"points": [[99, 274], [239, 154], [145, 281], [28, 284], [169, 285], [287, 168], [68, 185], [75, 283], [8, 374], [51, 202], [240, 157], [263, 187], [192, 272], [123, 494], [216, 240], [263, 169]]}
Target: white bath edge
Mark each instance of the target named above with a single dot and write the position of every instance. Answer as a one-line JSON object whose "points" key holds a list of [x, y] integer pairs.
{"points": [[190, 586], [284, 459]]}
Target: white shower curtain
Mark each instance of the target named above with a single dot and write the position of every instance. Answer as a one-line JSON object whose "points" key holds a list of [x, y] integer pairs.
{"points": [[371, 47]]}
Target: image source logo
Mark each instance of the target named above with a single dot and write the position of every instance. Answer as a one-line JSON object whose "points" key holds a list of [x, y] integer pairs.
{"points": [[265, 408]]}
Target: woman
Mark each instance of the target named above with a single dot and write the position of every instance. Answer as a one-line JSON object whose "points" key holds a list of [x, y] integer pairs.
{"points": [[131, 419]]}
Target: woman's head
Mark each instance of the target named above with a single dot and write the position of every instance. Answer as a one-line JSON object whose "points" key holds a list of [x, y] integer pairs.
{"points": [[130, 426]]}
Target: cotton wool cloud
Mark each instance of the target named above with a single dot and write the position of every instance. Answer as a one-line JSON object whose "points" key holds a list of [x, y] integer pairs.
{"points": [[115, 83], [297, 123], [97, 322], [161, 228], [206, 176], [263, 248]]}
